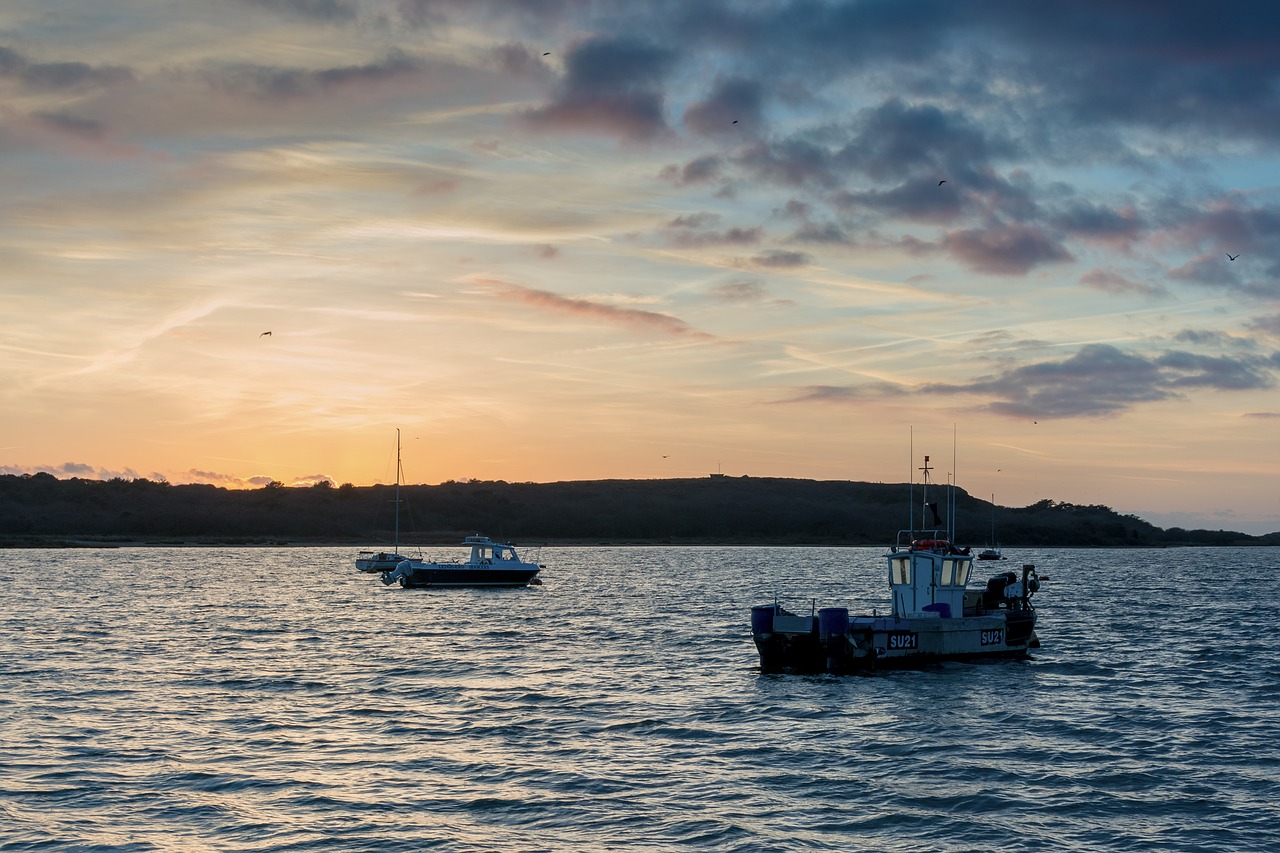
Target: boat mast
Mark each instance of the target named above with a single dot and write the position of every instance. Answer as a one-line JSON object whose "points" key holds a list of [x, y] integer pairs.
{"points": [[924, 487], [396, 549], [911, 482], [951, 498], [993, 519]]}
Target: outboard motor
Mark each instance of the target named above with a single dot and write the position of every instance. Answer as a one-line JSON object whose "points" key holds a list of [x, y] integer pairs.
{"points": [[401, 572], [1017, 593], [994, 593], [1030, 583]]}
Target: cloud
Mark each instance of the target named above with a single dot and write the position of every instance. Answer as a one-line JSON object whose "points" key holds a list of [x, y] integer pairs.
{"points": [[80, 470], [699, 170], [1101, 379], [1112, 282], [1004, 249], [521, 62], [795, 163], [1098, 222], [1203, 337], [1268, 324], [733, 106], [632, 318], [441, 186], [826, 233], [612, 85], [59, 76], [920, 200], [924, 141], [740, 291], [322, 10], [81, 128], [693, 231], [781, 259], [1190, 370], [844, 394], [275, 83]]}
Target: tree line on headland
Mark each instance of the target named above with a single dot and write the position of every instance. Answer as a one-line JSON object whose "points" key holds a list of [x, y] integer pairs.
{"points": [[41, 510]]}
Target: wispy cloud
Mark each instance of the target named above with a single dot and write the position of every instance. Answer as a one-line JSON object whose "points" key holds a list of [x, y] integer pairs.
{"points": [[631, 318]]}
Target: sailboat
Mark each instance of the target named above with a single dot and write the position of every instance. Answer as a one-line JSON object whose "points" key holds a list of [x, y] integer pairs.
{"points": [[992, 551], [385, 561]]}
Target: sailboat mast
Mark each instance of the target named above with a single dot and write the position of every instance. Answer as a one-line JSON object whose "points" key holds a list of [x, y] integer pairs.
{"points": [[993, 519], [396, 549]]}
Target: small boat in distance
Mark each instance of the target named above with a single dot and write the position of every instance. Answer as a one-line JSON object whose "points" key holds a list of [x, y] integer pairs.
{"points": [[933, 617], [490, 564], [382, 561], [992, 551]]}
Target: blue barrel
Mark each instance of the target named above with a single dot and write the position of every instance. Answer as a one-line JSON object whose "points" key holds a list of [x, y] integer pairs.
{"points": [[833, 621], [762, 619]]}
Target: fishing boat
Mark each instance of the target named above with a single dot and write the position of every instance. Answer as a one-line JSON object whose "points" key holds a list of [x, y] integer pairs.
{"points": [[992, 551], [384, 561], [933, 615], [490, 564]]}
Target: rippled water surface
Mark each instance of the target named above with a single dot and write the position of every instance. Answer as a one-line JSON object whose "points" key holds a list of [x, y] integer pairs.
{"points": [[264, 699]]}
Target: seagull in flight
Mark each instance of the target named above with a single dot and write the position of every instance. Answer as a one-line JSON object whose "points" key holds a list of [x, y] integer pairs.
{"points": [[1230, 256], [941, 182], [548, 53], [265, 335]]}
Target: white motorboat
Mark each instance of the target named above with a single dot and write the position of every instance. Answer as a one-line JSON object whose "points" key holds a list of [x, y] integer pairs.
{"points": [[489, 563]]}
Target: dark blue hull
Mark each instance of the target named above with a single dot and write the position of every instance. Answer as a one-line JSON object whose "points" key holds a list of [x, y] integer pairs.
{"points": [[458, 577], [805, 644]]}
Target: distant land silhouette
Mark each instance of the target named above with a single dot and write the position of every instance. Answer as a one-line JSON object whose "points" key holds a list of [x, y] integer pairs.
{"points": [[39, 510]]}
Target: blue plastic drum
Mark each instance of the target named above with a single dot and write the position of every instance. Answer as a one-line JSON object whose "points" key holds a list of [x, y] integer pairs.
{"points": [[762, 619]]}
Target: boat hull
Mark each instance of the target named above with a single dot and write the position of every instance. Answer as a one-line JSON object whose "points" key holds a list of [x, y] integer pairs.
{"points": [[460, 576], [832, 642], [447, 578], [374, 563]]}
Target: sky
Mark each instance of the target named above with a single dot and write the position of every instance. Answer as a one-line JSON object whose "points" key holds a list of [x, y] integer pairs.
{"points": [[595, 239]]}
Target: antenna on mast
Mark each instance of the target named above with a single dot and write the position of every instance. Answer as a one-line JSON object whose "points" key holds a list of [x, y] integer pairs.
{"points": [[911, 480]]}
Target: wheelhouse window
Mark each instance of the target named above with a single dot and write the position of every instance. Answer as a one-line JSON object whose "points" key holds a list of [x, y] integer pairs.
{"points": [[900, 570], [948, 572]]}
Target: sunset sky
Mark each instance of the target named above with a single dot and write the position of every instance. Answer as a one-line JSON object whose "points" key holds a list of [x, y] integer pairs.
{"points": [[565, 239]]}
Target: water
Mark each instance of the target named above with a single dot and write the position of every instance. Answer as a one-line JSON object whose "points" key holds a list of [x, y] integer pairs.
{"points": [[276, 700]]}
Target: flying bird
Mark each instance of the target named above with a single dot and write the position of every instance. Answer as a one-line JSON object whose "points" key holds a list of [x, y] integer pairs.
{"points": [[548, 53], [265, 335], [735, 121], [941, 182], [1230, 256]]}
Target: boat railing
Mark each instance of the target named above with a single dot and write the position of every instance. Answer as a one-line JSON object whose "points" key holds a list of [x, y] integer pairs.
{"points": [[915, 539]]}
